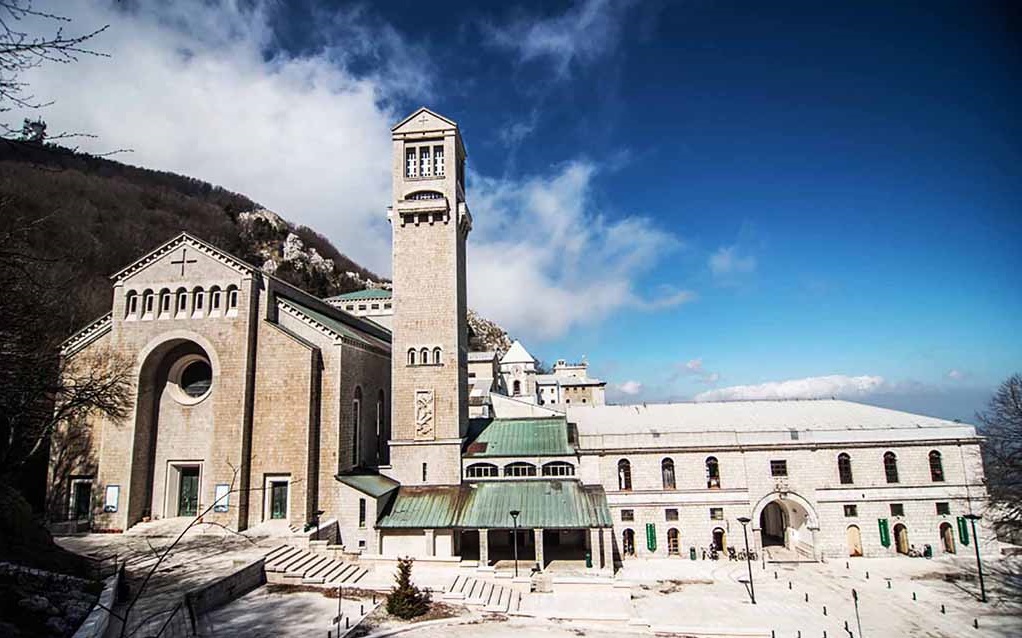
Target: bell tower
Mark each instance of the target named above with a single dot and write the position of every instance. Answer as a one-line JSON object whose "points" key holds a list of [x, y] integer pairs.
{"points": [[430, 222]]}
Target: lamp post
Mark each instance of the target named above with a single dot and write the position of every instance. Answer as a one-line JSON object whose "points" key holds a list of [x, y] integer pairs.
{"points": [[744, 520], [972, 518], [514, 517]]}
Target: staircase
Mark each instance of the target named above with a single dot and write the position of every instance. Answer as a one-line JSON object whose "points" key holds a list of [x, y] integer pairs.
{"points": [[483, 593], [292, 565]]}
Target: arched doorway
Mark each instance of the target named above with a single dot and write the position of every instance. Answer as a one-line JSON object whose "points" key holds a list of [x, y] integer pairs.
{"points": [[947, 538], [901, 539], [719, 539], [785, 520], [854, 541], [628, 542], [673, 542]]}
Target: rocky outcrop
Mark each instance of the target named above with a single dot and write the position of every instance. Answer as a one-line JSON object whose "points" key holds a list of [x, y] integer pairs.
{"points": [[485, 335]]}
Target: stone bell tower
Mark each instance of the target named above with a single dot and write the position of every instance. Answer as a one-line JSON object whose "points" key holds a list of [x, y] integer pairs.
{"points": [[430, 222]]}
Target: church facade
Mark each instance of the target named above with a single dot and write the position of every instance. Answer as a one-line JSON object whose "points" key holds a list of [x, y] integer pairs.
{"points": [[260, 403]]}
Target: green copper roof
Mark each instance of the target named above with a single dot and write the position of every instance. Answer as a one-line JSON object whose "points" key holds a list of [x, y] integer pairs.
{"points": [[374, 485], [487, 505], [520, 437], [368, 293], [332, 323]]}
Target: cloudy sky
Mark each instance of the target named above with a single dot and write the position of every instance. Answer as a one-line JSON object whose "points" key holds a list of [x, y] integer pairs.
{"points": [[708, 200]]}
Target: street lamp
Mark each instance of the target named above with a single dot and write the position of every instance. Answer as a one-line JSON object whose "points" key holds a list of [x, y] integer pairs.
{"points": [[979, 564], [514, 517], [744, 520]]}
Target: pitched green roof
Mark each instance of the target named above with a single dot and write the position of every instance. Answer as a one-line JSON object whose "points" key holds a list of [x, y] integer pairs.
{"points": [[548, 504], [375, 485], [333, 323], [520, 437], [359, 295]]}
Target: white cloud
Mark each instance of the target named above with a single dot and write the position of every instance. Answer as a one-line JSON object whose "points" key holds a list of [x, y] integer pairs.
{"points": [[542, 259], [515, 131], [956, 375], [584, 33], [694, 365], [839, 386], [189, 86], [728, 261], [629, 387]]}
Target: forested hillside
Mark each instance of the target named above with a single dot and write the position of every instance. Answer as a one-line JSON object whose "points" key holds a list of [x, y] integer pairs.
{"points": [[92, 216]]}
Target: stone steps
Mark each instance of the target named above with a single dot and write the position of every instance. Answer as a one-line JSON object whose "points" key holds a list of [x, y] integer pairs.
{"points": [[487, 594], [293, 565]]}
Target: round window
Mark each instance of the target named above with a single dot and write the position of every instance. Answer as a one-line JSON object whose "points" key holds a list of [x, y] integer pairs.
{"points": [[196, 379]]}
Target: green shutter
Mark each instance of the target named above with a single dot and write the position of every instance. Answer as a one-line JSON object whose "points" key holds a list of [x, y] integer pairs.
{"points": [[651, 537], [885, 533], [963, 530]]}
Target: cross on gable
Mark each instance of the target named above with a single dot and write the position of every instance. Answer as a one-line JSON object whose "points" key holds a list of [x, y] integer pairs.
{"points": [[184, 261], [422, 119]]}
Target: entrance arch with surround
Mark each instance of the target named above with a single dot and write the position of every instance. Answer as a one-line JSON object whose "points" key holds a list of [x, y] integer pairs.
{"points": [[786, 519]]}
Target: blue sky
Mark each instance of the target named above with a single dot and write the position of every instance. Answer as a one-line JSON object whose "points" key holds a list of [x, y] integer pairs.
{"points": [[695, 196]]}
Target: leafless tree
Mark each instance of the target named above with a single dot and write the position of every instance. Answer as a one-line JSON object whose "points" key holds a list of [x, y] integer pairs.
{"points": [[22, 50], [1002, 456]]}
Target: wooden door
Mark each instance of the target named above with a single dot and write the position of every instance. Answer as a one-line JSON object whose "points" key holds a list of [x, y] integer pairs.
{"points": [[188, 494]]}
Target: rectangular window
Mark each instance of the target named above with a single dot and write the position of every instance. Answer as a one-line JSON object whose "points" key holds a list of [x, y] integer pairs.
{"points": [[716, 513], [794, 434], [438, 161], [671, 514], [943, 509], [425, 162], [778, 468], [375, 306], [361, 306], [851, 510], [222, 498], [386, 306], [897, 509], [627, 515], [111, 498], [361, 512], [423, 472], [232, 299], [411, 163], [182, 302], [362, 543], [164, 304]]}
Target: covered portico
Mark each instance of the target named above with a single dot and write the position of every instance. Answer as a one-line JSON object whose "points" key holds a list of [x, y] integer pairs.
{"points": [[555, 520]]}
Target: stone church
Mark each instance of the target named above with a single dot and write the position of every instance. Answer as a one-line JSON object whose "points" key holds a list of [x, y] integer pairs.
{"points": [[258, 404]]}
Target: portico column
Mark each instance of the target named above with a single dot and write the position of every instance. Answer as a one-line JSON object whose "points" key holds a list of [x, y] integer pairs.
{"points": [[594, 547], [538, 532], [430, 542], [605, 540], [484, 548]]}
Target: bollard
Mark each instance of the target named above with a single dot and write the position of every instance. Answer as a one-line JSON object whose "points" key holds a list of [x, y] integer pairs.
{"points": [[975, 623], [773, 634], [362, 609], [888, 584], [789, 584], [347, 622], [942, 609], [913, 595], [824, 610], [799, 634], [846, 625], [807, 596], [775, 575], [846, 564], [824, 633], [867, 575]]}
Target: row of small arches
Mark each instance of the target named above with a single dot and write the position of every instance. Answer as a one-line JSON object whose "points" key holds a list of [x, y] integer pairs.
{"points": [[425, 357], [519, 469], [667, 475], [182, 302]]}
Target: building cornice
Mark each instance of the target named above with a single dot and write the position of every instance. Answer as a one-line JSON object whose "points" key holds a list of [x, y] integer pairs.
{"points": [[87, 335]]}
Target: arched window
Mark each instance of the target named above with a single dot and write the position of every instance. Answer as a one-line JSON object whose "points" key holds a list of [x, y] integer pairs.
{"points": [[182, 302], [198, 301], [214, 300], [516, 388], [844, 468], [891, 467], [936, 467], [712, 473], [628, 542], [519, 468], [148, 303], [667, 473], [624, 475], [436, 356], [673, 542], [356, 426], [482, 470], [232, 300], [424, 356], [411, 356], [382, 436], [558, 468], [165, 303], [131, 304]]}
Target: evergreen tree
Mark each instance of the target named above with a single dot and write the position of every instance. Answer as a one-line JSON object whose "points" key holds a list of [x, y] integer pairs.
{"points": [[406, 600]]}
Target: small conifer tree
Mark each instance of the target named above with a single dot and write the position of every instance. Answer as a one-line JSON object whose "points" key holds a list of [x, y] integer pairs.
{"points": [[406, 600]]}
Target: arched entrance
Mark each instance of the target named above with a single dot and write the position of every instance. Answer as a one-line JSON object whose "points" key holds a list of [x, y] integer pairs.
{"points": [[628, 542], [173, 427], [719, 539], [947, 538], [901, 539], [786, 520], [854, 541]]}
